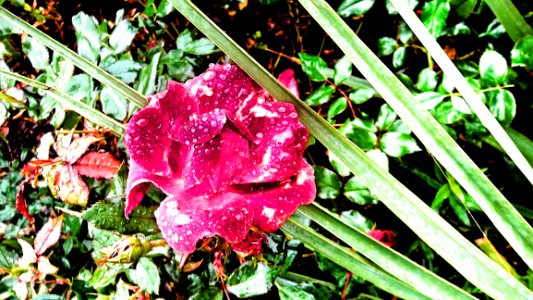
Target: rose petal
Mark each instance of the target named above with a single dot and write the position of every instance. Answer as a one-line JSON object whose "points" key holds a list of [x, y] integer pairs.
{"points": [[148, 142], [138, 182], [278, 145], [177, 103], [272, 207], [184, 219], [287, 79], [215, 163], [201, 128], [228, 88]]}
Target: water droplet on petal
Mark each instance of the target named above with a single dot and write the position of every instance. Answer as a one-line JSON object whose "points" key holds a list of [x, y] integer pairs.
{"points": [[141, 122], [293, 115], [282, 109], [259, 135], [208, 75], [193, 130], [222, 76], [214, 123]]}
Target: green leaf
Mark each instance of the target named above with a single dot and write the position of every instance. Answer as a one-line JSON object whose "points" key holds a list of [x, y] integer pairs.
{"points": [[124, 69], [343, 70], [434, 15], [356, 192], [106, 275], [445, 113], [493, 67], [148, 76], [397, 144], [522, 54], [147, 276], [87, 36], [386, 117], [164, 9], [362, 95], [337, 165], [357, 220], [398, 57], [443, 193], [495, 29], [515, 25], [327, 183], [113, 104], [386, 46], [289, 292], [110, 216], [251, 279], [379, 157], [466, 8], [320, 96], [337, 107], [502, 104], [122, 36], [350, 8], [36, 52], [201, 46], [80, 87], [314, 66], [460, 105], [8, 258], [362, 132], [460, 210], [427, 80]]}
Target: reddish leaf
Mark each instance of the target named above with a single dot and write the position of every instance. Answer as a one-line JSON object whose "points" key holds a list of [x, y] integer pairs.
{"points": [[70, 148], [20, 202], [48, 235], [68, 185], [98, 165], [31, 169]]}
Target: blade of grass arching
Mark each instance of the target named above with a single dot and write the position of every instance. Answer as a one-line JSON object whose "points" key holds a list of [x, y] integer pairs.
{"points": [[428, 225], [508, 221], [502, 213], [81, 62], [511, 19], [349, 260], [396, 264], [522, 142], [68, 102], [473, 99]]}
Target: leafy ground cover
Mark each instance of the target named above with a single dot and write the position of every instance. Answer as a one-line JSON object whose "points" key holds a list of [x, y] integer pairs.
{"points": [[64, 177]]}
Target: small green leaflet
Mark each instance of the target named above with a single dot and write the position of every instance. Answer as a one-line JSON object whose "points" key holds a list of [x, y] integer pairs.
{"points": [[314, 66]]}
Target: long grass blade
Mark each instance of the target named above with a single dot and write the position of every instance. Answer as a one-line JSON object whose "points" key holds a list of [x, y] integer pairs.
{"points": [[396, 264], [68, 102], [442, 237], [511, 19], [107, 79], [464, 88], [349, 260]]}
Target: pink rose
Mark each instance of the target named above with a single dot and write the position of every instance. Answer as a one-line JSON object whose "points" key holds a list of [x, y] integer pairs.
{"points": [[227, 154]]}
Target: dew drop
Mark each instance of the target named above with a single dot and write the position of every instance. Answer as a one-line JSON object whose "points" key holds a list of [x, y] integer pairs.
{"points": [[282, 109], [226, 91], [193, 130], [222, 76], [141, 122], [208, 75], [204, 118], [259, 135], [194, 140], [214, 123], [293, 115]]}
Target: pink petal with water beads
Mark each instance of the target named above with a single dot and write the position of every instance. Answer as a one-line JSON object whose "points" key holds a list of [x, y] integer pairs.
{"points": [[278, 145], [201, 128], [287, 79], [226, 87], [148, 141], [273, 206], [185, 219], [138, 182]]}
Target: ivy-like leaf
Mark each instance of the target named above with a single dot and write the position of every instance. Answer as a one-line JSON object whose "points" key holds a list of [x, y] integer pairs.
{"points": [[147, 276], [337, 107], [434, 15], [327, 183], [87, 36], [356, 192], [98, 165], [321, 95], [493, 67], [113, 104], [343, 70], [350, 8], [386, 117], [427, 80], [397, 144], [338, 165], [502, 104], [122, 36], [36, 52], [398, 57], [522, 53], [361, 95], [251, 279], [314, 66], [386, 46]]}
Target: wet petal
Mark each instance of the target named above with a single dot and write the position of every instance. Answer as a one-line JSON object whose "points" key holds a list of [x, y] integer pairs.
{"points": [[138, 182], [278, 145], [201, 128], [215, 163], [287, 79], [148, 141], [184, 220], [226, 87], [177, 103], [273, 207]]}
